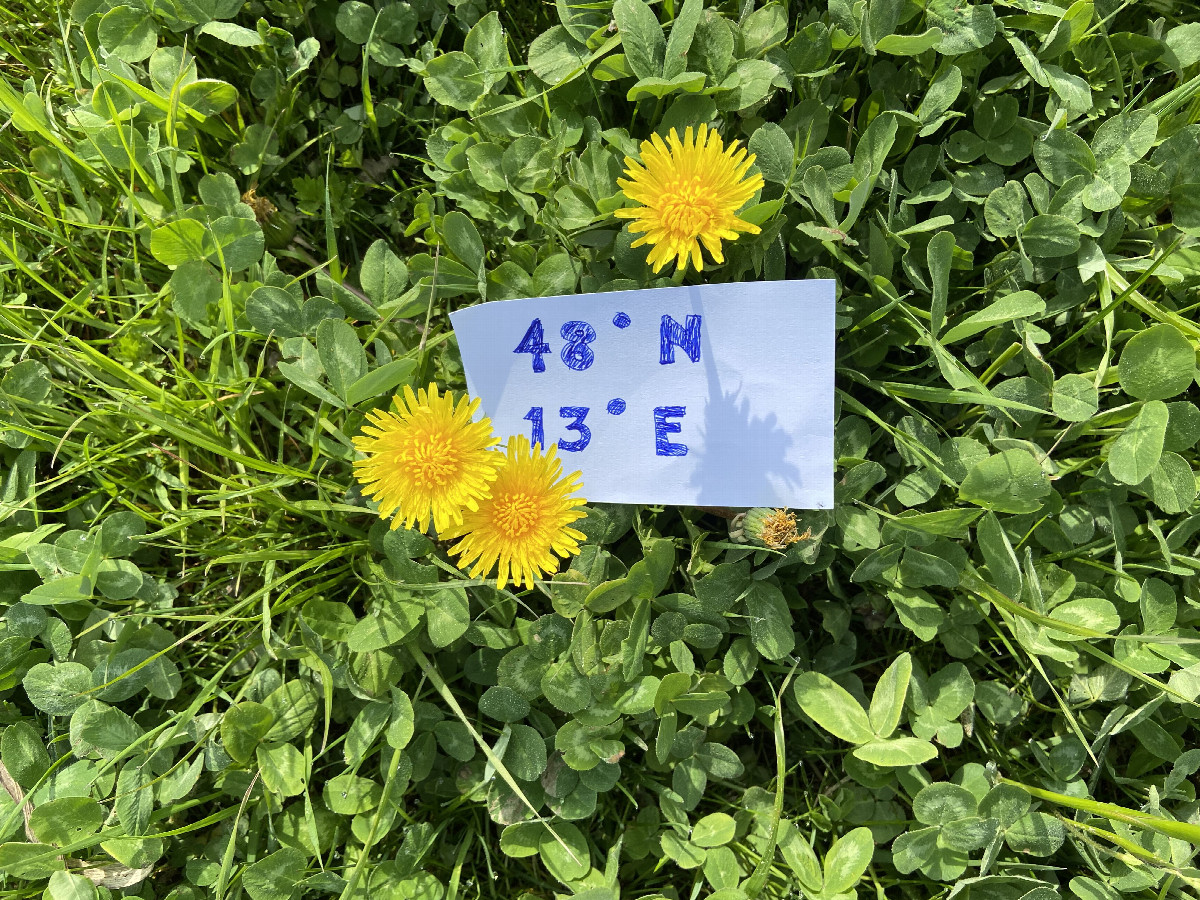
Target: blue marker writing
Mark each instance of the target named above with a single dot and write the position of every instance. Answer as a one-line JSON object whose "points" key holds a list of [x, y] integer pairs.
{"points": [[577, 413], [535, 416], [662, 428], [533, 343], [686, 337], [576, 353]]}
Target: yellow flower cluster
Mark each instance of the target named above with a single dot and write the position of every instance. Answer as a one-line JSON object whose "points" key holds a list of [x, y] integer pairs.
{"points": [[429, 461], [688, 194]]}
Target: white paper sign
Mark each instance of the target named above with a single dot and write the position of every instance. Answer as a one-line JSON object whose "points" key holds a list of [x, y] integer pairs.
{"points": [[708, 395]]}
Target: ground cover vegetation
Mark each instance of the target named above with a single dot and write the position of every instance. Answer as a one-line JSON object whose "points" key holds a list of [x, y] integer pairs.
{"points": [[231, 230]]}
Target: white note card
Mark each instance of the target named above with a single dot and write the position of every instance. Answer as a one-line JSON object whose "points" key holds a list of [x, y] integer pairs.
{"points": [[706, 395]]}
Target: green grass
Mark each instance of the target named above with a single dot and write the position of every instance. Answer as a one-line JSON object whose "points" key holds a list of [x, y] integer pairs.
{"points": [[262, 692]]}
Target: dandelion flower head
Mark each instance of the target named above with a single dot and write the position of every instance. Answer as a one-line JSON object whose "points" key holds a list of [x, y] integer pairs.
{"points": [[688, 193], [779, 530], [526, 519], [427, 460]]}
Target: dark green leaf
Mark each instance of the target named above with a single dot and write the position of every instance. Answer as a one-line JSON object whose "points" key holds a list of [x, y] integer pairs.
{"points": [[641, 37], [1157, 363], [1136, 451], [1011, 482], [833, 708]]}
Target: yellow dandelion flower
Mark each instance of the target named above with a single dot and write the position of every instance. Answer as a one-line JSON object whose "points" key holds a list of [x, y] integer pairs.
{"points": [[427, 460], [526, 517], [688, 193]]}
